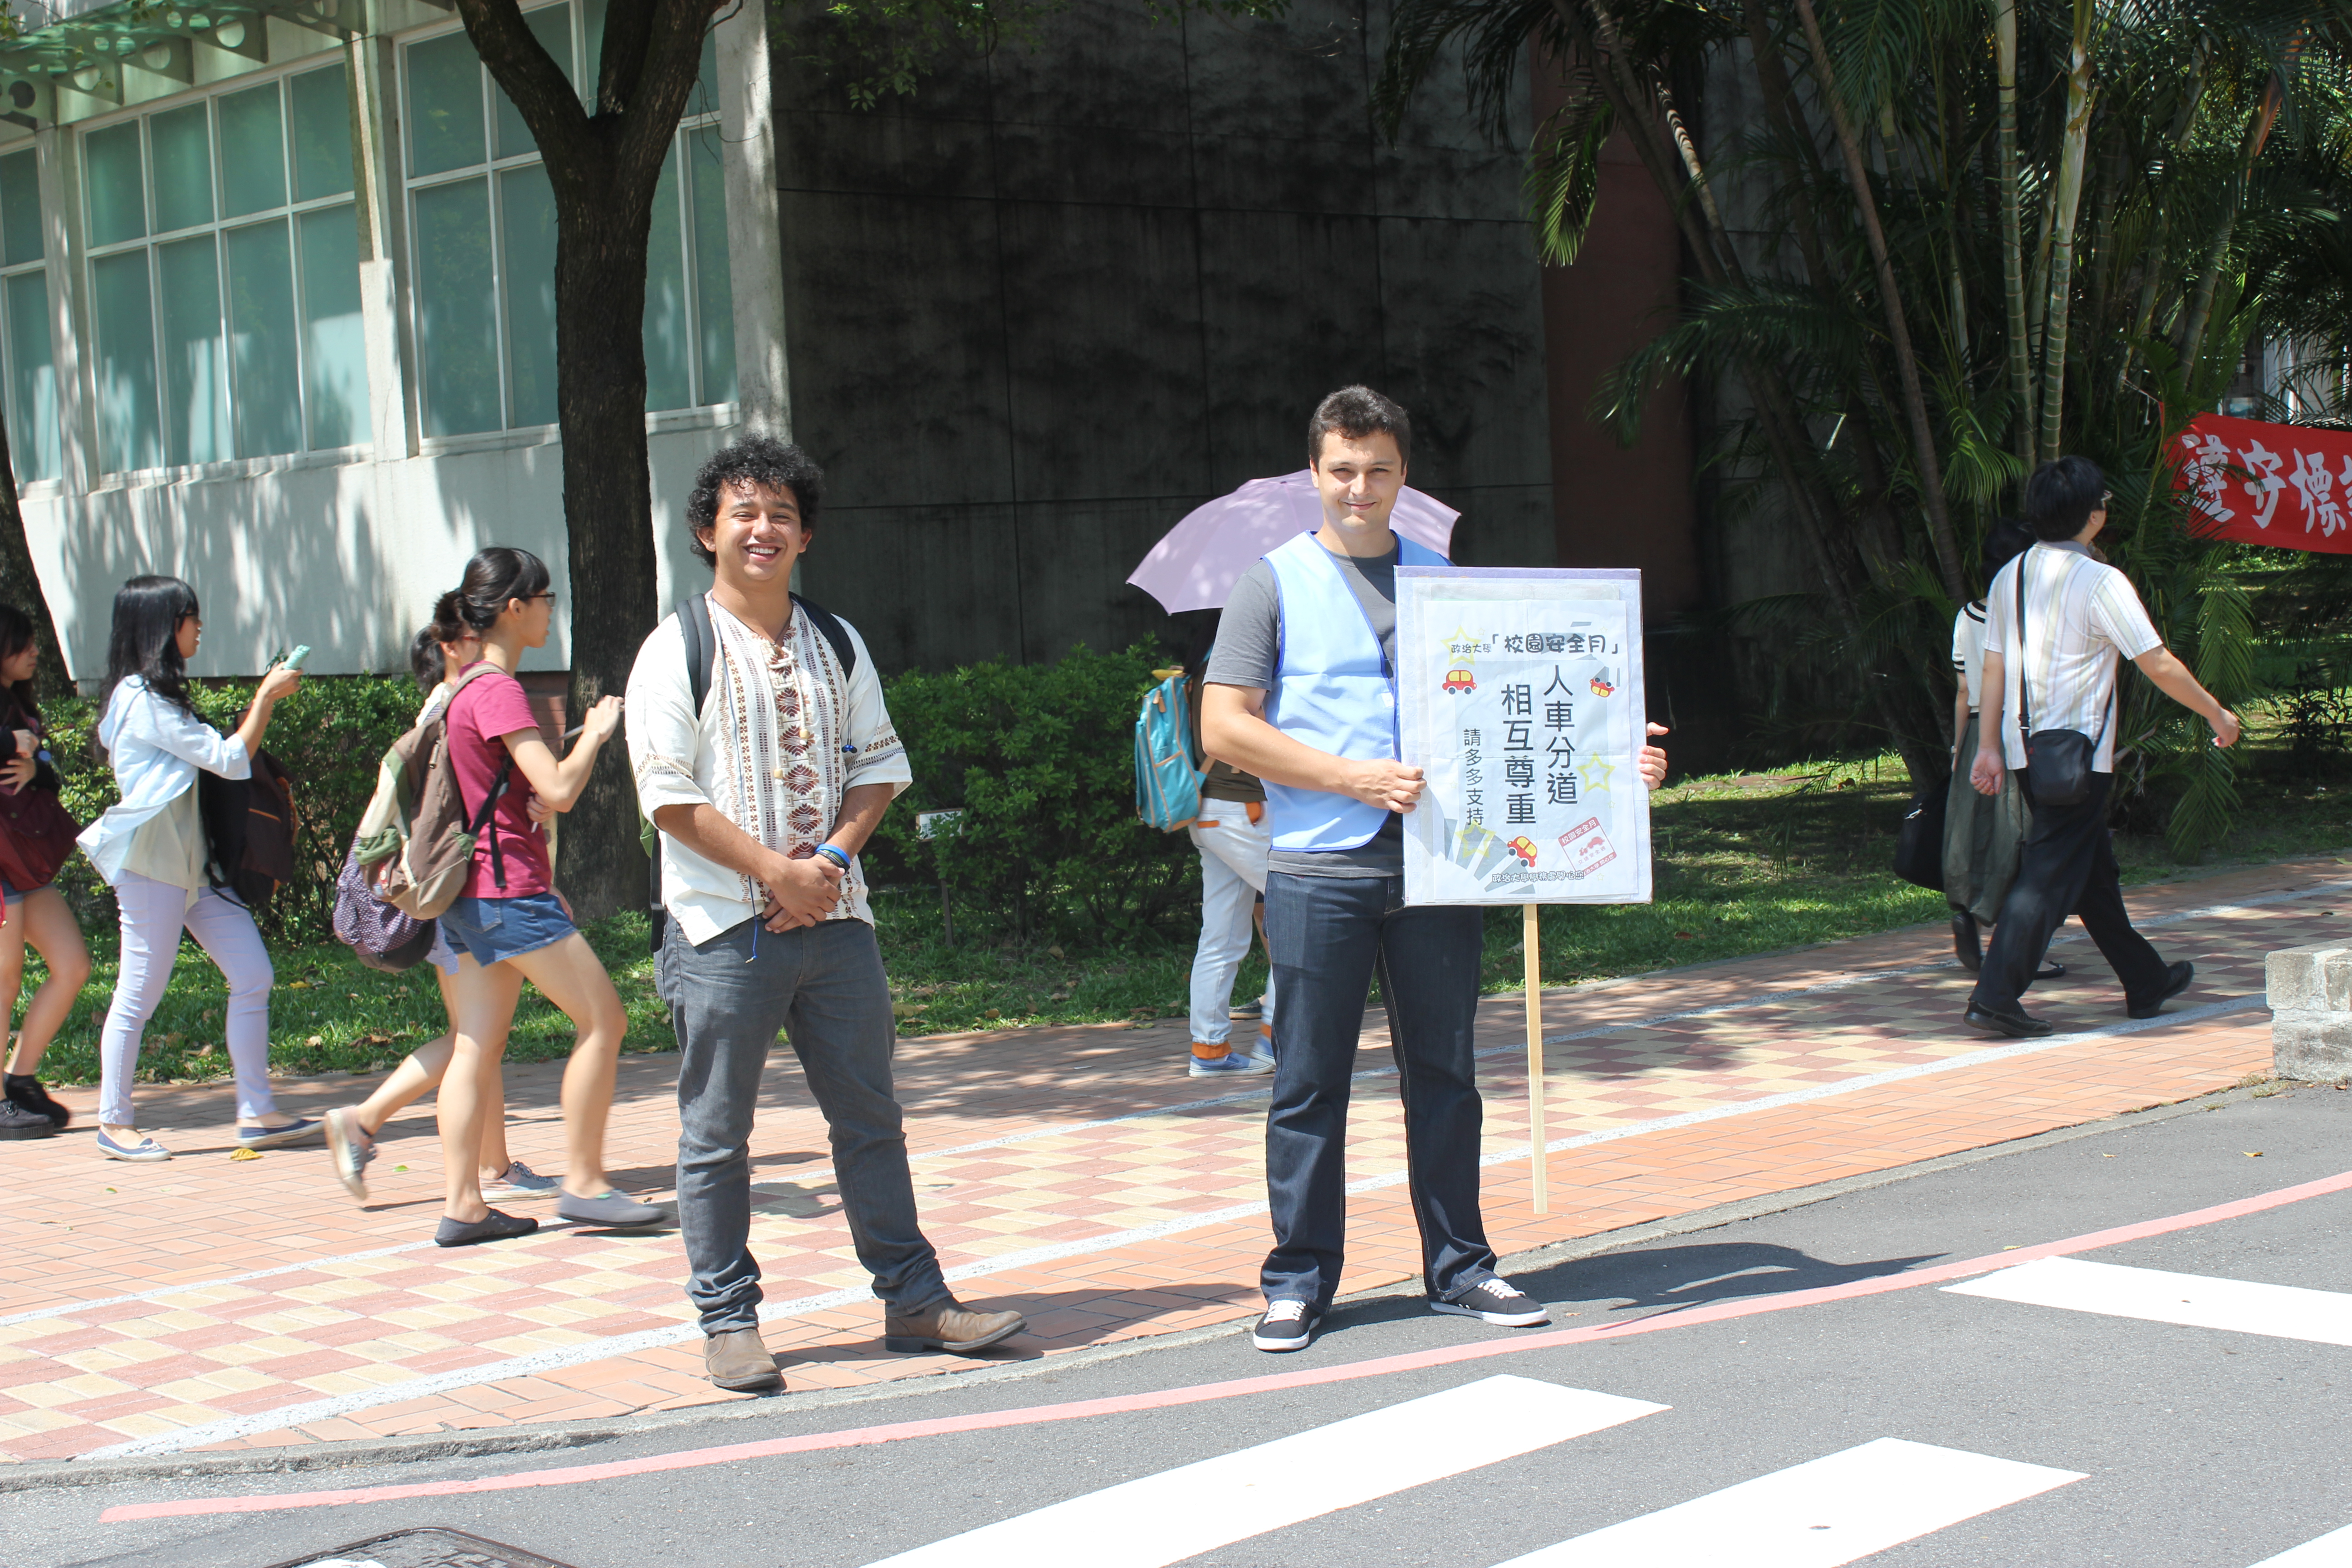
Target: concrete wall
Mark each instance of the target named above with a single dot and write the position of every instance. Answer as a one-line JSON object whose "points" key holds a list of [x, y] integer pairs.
{"points": [[1066, 293]]}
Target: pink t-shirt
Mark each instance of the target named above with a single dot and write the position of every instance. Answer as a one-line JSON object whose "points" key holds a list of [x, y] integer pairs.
{"points": [[491, 706]]}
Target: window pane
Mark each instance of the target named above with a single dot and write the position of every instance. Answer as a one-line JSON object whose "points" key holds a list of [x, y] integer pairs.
{"points": [[322, 133], [34, 434], [666, 348], [527, 215], [128, 436], [252, 151], [334, 347], [20, 208], [552, 28], [181, 145], [195, 382], [118, 201], [457, 328], [445, 104], [714, 294], [261, 339]]}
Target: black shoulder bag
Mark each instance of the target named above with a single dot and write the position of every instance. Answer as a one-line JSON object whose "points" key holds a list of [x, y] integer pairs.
{"points": [[2057, 762]]}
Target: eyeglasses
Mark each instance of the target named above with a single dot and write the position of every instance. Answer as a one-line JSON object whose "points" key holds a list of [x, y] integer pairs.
{"points": [[2107, 499]]}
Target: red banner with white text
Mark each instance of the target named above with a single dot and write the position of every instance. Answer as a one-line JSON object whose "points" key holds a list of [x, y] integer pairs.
{"points": [[2288, 485]]}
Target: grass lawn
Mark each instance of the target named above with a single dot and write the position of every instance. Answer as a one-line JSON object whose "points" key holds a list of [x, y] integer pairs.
{"points": [[1746, 864]]}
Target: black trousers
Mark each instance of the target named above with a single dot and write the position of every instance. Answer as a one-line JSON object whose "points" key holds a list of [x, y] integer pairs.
{"points": [[2067, 864]]}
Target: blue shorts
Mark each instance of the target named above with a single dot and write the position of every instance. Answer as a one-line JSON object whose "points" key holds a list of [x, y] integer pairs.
{"points": [[495, 929], [15, 895]]}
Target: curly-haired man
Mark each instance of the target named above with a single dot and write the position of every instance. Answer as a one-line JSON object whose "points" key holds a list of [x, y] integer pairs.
{"points": [[764, 796]]}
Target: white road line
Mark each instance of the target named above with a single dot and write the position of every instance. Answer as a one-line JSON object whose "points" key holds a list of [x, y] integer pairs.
{"points": [[1819, 1514], [2157, 1296], [2333, 1550], [1175, 1514]]}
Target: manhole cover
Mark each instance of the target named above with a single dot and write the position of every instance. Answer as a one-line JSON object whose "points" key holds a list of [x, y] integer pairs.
{"points": [[431, 1548]]}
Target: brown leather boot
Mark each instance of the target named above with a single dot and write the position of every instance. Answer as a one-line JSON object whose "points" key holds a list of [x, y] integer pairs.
{"points": [[947, 1325], [738, 1360]]}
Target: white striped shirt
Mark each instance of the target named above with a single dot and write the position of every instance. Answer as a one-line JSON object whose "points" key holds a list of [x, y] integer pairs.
{"points": [[2079, 616], [1967, 649]]}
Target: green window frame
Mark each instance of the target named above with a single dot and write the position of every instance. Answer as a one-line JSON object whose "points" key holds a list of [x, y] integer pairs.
{"points": [[221, 248], [30, 397], [481, 240]]}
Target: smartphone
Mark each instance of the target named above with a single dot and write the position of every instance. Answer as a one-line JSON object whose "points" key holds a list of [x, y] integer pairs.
{"points": [[294, 661]]}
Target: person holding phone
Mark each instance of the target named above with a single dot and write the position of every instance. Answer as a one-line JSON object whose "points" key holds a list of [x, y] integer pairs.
{"points": [[509, 924], [151, 849], [37, 915]]}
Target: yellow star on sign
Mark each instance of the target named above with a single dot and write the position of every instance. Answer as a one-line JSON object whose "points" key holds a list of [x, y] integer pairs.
{"points": [[1461, 644], [1597, 771]]}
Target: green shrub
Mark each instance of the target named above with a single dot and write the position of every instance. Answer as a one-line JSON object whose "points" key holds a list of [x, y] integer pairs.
{"points": [[330, 735], [1041, 760]]}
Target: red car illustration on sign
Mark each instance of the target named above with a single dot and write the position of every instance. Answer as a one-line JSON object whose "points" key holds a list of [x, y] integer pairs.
{"points": [[1523, 849], [1460, 680]]}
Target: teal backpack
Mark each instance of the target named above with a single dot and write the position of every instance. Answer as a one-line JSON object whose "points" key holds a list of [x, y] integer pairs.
{"points": [[1167, 785]]}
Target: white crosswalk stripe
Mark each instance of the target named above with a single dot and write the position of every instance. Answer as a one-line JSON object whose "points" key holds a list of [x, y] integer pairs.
{"points": [[1179, 1513], [1826, 1512], [2154, 1295], [2333, 1550]]}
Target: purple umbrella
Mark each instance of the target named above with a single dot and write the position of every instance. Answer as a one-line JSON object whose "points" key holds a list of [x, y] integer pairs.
{"points": [[1196, 564]]}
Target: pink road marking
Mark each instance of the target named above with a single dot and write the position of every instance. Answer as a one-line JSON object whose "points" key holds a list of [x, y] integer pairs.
{"points": [[1161, 1399]]}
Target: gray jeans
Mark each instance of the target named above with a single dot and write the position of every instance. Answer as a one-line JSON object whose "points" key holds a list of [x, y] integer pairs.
{"points": [[823, 987]]}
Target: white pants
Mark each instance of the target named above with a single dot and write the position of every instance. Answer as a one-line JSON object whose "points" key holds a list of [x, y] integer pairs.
{"points": [[153, 914], [1233, 874]]}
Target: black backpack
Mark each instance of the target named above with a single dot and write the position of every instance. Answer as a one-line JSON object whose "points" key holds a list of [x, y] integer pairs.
{"points": [[701, 653]]}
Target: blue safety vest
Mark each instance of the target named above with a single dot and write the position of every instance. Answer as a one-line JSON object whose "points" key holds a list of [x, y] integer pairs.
{"points": [[1333, 691]]}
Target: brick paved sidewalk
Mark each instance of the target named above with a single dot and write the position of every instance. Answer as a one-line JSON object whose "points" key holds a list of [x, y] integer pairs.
{"points": [[1073, 1172]]}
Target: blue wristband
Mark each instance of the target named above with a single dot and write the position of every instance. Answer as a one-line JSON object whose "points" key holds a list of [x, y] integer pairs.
{"points": [[833, 853]]}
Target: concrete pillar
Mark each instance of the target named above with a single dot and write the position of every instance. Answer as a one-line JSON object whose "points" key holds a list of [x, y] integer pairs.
{"points": [[755, 250], [55, 153], [2310, 995], [393, 418]]}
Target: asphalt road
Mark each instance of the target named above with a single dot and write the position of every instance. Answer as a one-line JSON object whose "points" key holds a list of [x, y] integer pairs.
{"points": [[2024, 1432]]}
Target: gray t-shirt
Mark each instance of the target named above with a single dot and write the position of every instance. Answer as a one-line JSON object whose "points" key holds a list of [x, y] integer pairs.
{"points": [[1249, 651]]}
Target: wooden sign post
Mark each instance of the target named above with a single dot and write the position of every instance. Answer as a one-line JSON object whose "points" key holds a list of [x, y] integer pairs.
{"points": [[1519, 697], [1539, 1140]]}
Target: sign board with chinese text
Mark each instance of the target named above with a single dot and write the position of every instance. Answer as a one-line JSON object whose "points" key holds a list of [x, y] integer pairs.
{"points": [[2288, 485], [1519, 697]]}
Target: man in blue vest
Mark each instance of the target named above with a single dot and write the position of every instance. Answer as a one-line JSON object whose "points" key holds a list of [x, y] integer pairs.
{"points": [[1302, 692]]}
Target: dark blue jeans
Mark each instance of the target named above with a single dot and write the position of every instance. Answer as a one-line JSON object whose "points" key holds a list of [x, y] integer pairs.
{"points": [[2066, 865], [1329, 936], [823, 986]]}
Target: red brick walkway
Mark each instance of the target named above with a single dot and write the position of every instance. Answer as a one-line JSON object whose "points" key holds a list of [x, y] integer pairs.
{"points": [[1073, 1172]]}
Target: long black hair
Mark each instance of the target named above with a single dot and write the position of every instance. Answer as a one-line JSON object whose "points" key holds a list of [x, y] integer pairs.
{"points": [[146, 640], [494, 576], [15, 636]]}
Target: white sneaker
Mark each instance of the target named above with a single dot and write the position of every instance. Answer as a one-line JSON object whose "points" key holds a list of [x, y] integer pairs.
{"points": [[1495, 1302], [518, 1181], [1233, 1064]]}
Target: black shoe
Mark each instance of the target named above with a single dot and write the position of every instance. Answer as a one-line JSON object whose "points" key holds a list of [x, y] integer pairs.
{"points": [[1287, 1326], [2050, 972], [24, 1089], [2176, 981], [16, 1122], [496, 1227], [1495, 1302], [2016, 1025], [1967, 946]]}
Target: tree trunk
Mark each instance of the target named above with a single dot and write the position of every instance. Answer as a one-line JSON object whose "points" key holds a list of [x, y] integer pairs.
{"points": [[603, 170], [2013, 236], [21, 585], [2071, 153], [1898, 330], [600, 301]]}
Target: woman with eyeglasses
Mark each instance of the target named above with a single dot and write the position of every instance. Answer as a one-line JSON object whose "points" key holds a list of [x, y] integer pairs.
{"points": [[151, 849], [509, 924]]}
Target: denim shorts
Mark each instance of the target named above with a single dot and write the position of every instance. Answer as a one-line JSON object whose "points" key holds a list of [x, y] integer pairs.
{"points": [[495, 929], [14, 894], [444, 956]]}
